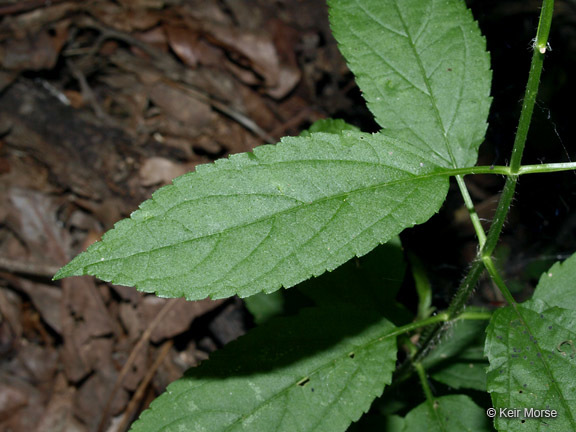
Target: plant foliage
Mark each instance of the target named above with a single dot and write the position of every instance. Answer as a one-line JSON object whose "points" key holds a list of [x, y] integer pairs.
{"points": [[283, 214]]}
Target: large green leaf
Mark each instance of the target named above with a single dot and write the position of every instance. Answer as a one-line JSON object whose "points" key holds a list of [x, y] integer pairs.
{"points": [[536, 336], [315, 372], [530, 350], [259, 221], [423, 70], [456, 413]]}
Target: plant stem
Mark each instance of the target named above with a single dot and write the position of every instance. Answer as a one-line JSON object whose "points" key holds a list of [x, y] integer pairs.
{"points": [[425, 385], [474, 316], [471, 211], [489, 264], [507, 171], [439, 318], [486, 251], [532, 85], [484, 257]]}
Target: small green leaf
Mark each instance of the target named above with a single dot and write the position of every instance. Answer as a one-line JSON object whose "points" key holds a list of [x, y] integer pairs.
{"points": [[466, 370], [275, 217], [461, 336], [533, 337], [424, 71], [456, 413], [336, 126], [265, 306], [423, 287], [319, 371], [459, 360]]}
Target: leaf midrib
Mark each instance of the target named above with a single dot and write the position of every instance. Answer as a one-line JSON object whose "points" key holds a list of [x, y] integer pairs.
{"points": [[428, 85], [554, 384], [414, 178], [288, 387]]}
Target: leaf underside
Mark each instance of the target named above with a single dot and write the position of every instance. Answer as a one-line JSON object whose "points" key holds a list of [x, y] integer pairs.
{"points": [[316, 371], [423, 69], [275, 217], [536, 336]]}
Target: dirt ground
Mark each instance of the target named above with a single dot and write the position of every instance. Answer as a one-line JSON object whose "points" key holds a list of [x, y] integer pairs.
{"points": [[104, 101]]}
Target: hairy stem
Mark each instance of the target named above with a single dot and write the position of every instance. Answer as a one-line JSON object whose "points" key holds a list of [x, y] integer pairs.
{"points": [[485, 252], [484, 257], [507, 171], [425, 386], [489, 264], [471, 211]]}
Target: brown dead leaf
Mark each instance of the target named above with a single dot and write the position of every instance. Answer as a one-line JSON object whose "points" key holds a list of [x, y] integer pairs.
{"points": [[59, 415], [138, 367], [130, 319], [33, 216], [185, 43], [155, 37], [124, 19], [252, 50], [188, 110], [85, 321], [20, 404], [178, 319], [39, 362], [285, 39], [157, 170], [34, 52], [143, 4], [83, 155], [12, 398], [19, 25], [93, 395], [46, 299], [11, 323]]}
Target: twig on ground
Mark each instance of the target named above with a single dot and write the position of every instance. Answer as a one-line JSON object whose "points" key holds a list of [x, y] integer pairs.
{"points": [[28, 268], [135, 352], [139, 394]]}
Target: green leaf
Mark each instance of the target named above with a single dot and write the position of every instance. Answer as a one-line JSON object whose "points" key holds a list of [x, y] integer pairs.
{"points": [[532, 358], [423, 70], [536, 335], [265, 306], [456, 413], [336, 126], [557, 286], [275, 217], [463, 335], [466, 370], [458, 361], [423, 287], [315, 372]]}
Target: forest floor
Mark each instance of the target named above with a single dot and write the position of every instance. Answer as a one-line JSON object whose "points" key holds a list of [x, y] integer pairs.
{"points": [[104, 101]]}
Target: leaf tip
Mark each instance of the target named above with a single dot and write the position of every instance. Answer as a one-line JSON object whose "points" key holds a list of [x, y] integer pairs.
{"points": [[70, 269]]}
